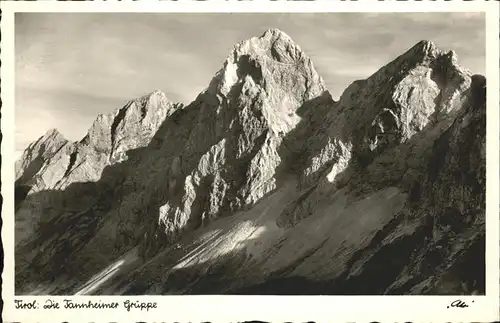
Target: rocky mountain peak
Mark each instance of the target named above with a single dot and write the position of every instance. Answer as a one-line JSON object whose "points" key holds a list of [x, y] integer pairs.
{"points": [[238, 124], [275, 33], [156, 98], [107, 142], [379, 121], [423, 86], [50, 137], [426, 50], [132, 124], [53, 134], [270, 61], [37, 153], [424, 47], [272, 44]]}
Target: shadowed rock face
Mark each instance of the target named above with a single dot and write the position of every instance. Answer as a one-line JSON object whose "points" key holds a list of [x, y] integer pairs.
{"points": [[265, 184]]}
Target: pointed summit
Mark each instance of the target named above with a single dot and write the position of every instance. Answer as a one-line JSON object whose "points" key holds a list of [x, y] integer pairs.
{"points": [[52, 133], [273, 44], [272, 63], [276, 35], [156, 94], [50, 138], [425, 46], [37, 154], [274, 32], [425, 52], [149, 103], [429, 49]]}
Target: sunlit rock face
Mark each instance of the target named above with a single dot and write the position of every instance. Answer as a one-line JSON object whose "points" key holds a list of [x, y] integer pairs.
{"points": [[230, 158], [266, 185]]}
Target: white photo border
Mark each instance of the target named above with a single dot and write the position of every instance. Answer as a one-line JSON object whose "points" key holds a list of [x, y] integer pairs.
{"points": [[263, 308]]}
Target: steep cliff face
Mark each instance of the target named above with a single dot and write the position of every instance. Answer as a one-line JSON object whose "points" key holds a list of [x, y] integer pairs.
{"points": [[265, 184]]}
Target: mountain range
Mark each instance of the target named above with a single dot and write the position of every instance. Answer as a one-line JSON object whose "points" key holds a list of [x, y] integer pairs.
{"points": [[265, 184]]}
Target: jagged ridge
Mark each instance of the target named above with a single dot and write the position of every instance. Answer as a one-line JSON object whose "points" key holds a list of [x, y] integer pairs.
{"points": [[54, 163], [264, 119]]}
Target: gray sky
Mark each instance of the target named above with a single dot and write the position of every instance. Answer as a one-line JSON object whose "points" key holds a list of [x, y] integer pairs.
{"points": [[71, 67]]}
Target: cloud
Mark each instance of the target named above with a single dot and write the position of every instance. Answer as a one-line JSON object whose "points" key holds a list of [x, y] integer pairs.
{"points": [[71, 67]]}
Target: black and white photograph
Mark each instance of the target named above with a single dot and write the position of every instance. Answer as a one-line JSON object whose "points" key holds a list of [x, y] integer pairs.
{"points": [[250, 154], [328, 154]]}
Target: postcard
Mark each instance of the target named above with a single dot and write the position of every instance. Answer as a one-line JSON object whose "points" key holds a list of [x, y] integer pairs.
{"points": [[232, 161]]}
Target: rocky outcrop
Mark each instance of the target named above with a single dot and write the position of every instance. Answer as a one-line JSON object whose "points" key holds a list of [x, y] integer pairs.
{"points": [[265, 181]]}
